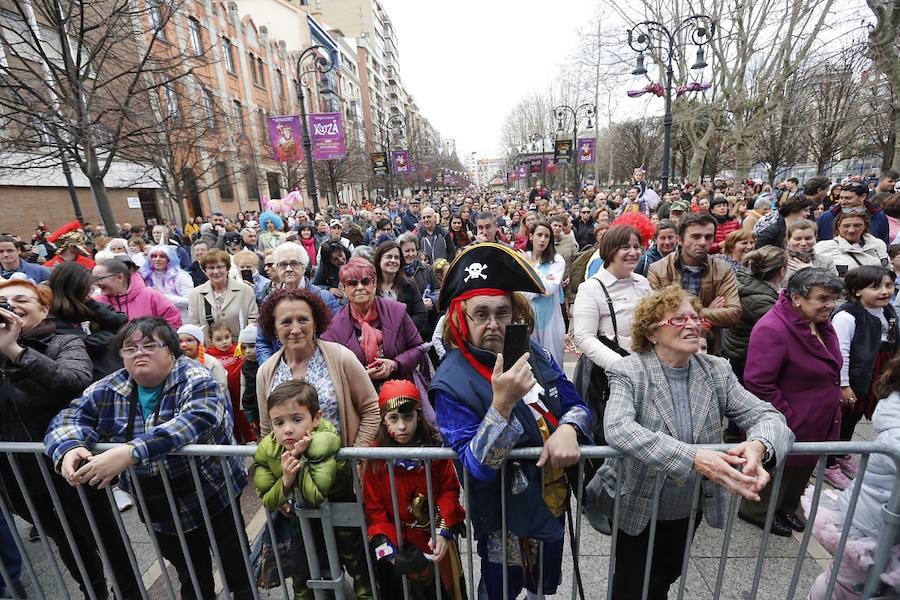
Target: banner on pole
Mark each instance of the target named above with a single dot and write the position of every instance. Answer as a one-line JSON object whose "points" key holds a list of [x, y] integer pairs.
{"points": [[400, 160], [535, 164], [550, 165], [562, 151], [326, 130], [379, 163], [285, 135], [586, 148]]}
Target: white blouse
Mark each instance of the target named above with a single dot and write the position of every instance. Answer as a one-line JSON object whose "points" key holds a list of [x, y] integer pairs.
{"points": [[590, 314]]}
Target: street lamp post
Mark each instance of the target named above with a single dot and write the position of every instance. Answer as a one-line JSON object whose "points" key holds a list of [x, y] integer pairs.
{"points": [[647, 34], [321, 65], [393, 123], [588, 109]]}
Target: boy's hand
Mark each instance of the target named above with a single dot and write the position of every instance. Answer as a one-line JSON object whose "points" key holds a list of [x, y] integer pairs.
{"points": [[289, 467], [302, 446]]}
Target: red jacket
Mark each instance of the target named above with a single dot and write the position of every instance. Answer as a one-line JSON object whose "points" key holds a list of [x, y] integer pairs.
{"points": [[722, 231], [411, 483]]}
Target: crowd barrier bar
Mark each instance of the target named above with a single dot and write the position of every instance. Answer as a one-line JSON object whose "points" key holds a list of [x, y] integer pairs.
{"points": [[350, 515]]}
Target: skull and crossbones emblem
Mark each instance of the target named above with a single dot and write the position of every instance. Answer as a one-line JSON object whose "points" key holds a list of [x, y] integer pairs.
{"points": [[475, 271]]}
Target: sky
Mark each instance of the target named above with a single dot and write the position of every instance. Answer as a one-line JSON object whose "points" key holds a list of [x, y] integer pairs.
{"points": [[469, 62]]}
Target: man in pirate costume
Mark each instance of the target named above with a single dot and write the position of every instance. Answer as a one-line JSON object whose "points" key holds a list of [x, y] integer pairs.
{"points": [[485, 412]]}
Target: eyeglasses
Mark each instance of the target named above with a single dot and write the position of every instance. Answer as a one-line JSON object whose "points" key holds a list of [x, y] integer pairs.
{"points": [[352, 283], [483, 318], [218, 267], [680, 321], [102, 277], [232, 242], [132, 351], [293, 264]]}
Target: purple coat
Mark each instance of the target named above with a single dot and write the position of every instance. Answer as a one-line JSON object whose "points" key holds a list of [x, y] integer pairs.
{"points": [[401, 339], [789, 367]]}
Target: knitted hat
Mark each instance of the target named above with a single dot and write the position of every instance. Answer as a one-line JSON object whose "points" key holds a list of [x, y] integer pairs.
{"points": [[397, 392], [247, 335], [193, 331]]}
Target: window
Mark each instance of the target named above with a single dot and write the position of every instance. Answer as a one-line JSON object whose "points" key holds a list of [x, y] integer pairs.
{"points": [[225, 190], [254, 76], [238, 117], [228, 51], [209, 107], [196, 35], [156, 19], [171, 100], [280, 84], [261, 72], [41, 131], [263, 128]]}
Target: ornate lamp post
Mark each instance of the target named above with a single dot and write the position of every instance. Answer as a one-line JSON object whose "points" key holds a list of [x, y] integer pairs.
{"points": [[582, 110], [650, 34], [393, 123], [321, 65]]}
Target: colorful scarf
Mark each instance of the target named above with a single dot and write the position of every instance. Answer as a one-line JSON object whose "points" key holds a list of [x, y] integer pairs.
{"points": [[371, 337]]}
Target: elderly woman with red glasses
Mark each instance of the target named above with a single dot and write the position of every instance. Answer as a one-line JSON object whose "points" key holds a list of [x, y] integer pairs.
{"points": [[378, 330], [665, 399]]}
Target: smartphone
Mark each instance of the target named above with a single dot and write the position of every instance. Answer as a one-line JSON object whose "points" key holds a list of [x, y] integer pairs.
{"points": [[247, 275], [515, 344]]}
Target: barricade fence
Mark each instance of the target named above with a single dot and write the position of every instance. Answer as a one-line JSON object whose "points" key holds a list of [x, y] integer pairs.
{"points": [[44, 577]]}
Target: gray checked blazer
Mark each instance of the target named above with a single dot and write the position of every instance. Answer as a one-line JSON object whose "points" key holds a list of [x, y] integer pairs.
{"points": [[640, 421]]}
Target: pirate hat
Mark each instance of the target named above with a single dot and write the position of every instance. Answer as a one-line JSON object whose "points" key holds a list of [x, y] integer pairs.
{"points": [[488, 266]]}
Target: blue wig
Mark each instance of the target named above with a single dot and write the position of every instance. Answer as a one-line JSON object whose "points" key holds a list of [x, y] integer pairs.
{"points": [[270, 216]]}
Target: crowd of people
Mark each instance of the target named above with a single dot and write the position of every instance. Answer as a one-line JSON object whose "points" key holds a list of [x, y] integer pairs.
{"points": [[385, 324]]}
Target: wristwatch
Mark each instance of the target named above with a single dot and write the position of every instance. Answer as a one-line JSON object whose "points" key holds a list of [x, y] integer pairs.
{"points": [[135, 456]]}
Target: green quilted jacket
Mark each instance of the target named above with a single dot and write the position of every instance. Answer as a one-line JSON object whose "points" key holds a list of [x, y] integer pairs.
{"points": [[321, 476]]}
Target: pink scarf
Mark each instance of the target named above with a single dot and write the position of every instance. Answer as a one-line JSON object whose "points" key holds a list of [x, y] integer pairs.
{"points": [[371, 337]]}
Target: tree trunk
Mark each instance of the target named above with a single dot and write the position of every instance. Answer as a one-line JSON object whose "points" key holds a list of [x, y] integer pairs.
{"points": [[698, 158], [892, 156], [101, 199]]}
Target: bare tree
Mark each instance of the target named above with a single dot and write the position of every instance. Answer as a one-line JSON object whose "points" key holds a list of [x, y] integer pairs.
{"points": [[781, 140], [884, 45], [352, 168], [834, 124], [637, 142], [83, 71]]}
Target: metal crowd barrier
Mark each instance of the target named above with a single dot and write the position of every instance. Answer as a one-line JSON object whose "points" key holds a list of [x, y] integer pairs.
{"points": [[350, 514]]}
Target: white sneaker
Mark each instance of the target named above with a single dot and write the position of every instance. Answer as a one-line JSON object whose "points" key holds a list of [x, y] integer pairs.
{"points": [[123, 500]]}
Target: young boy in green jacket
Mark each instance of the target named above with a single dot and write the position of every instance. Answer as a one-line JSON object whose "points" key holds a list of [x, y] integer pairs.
{"points": [[296, 463]]}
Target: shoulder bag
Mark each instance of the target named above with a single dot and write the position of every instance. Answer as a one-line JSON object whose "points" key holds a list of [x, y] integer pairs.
{"points": [[590, 379]]}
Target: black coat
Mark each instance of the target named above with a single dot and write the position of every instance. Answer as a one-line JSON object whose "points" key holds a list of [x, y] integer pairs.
{"points": [[51, 371], [105, 324]]}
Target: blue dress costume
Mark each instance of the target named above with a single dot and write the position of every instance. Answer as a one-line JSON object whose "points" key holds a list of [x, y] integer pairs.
{"points": [[483, 439]]}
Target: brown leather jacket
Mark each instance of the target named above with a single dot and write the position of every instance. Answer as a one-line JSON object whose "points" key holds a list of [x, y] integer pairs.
{"points": [[718, 280]]}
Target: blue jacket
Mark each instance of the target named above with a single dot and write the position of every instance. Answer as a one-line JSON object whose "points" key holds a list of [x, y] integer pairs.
{"points": [[878, 223], [266, 347], [647, 258], [34, 272], [483, 438]]}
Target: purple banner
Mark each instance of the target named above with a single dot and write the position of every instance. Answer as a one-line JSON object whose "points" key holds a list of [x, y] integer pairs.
{"points": [[521, 172], [586, 149], [326, 130], [285, 136], [400, 160]]}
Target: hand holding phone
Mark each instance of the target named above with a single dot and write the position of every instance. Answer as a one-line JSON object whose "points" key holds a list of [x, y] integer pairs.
{"points": [[515, 344]]}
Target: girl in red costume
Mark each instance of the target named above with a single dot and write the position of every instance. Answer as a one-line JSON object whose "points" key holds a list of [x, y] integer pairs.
{"points": [[416, 553]]}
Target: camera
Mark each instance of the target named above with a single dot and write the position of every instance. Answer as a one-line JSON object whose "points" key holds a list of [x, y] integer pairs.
{"points": [[5, 305]]}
